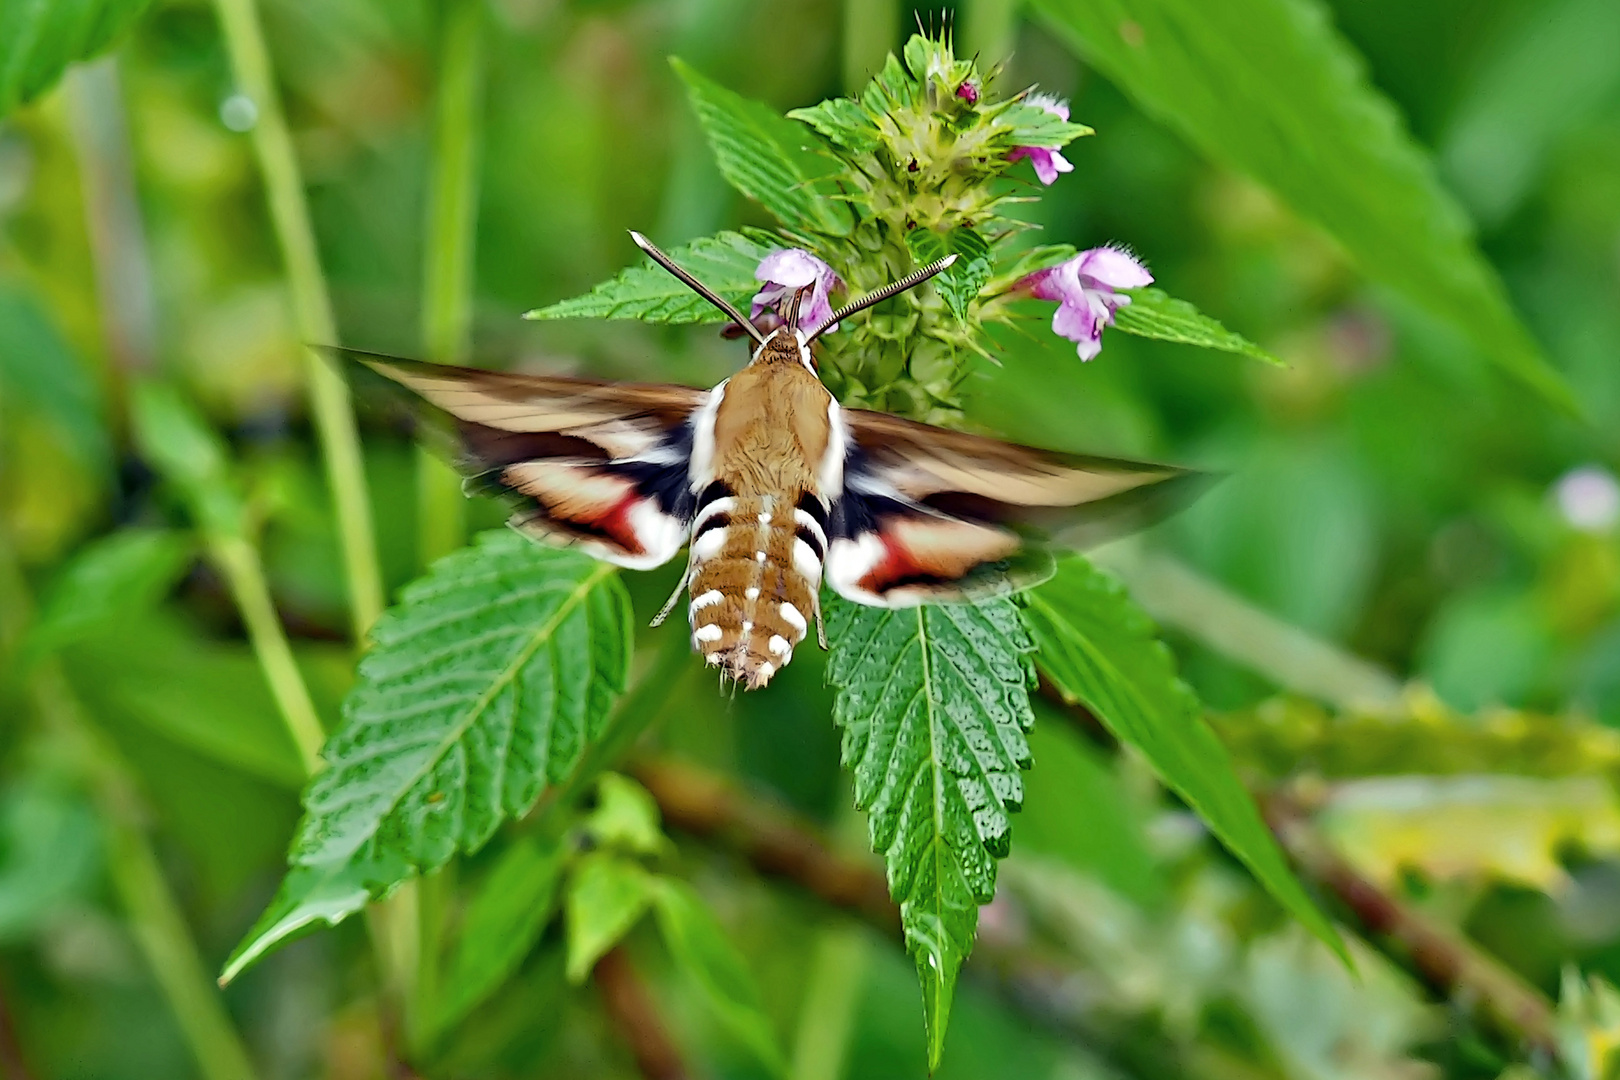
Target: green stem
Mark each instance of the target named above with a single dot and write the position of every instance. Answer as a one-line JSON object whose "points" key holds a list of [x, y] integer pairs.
{"points": [[447, 272], [244, 571], [312, 308], [161, 933]]}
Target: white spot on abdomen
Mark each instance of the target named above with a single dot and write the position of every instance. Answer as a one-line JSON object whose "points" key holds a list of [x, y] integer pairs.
{"points": [[711, 632], [708, 545], [713, 596], [779, 645], [791, 616]]}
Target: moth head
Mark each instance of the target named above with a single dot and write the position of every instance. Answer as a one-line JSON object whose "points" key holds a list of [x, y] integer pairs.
{"points": [[786, 345], [910, 281]]}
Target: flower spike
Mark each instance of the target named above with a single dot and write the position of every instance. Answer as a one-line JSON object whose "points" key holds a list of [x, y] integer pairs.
{"points": [[910, 281]]}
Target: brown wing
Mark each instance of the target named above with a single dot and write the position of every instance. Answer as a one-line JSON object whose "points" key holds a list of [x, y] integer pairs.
{"points": [[584, 461], [930, 515]]}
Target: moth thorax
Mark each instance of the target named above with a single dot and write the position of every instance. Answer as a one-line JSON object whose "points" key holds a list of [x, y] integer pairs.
{"points": [[755, 573]]}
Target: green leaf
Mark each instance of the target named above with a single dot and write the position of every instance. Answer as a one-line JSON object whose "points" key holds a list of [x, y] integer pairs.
{"points": [[487, 683], [704, 954], [126, 572], [502, 922], [767, 157], [625, 818], [725, 262], [841, 121], [960, 285], [607, 894], [1267, 87], [934, 702], [312, 896], [188, 454], [1099, 649], [1152, 313], [40, 38], [1030, 125]]}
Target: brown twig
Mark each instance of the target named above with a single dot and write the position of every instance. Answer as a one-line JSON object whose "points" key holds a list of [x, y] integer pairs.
{"points": [[1453, 967], [696, 801], [1448, 963], [13, 1065], [635, 1016]]}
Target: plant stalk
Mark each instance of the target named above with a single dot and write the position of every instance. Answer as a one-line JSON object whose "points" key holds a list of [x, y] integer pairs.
{"points": [[239, 560], [450, 243], [312, 309]]}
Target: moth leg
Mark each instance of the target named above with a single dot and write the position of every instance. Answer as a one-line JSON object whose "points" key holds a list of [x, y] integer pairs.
{"points": [[821, 627], [669, 605]]}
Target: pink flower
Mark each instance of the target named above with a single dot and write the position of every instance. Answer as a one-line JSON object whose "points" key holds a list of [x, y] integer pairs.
{"points": [[787, 271], [1084, 289], [1047, 161], [968, 92]]}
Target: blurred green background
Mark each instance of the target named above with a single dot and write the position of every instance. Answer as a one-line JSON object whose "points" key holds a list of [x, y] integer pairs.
{"points": [[1389, 497]]}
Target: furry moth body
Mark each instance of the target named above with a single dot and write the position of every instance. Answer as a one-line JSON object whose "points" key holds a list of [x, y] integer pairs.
{"points": [[773, 487]]}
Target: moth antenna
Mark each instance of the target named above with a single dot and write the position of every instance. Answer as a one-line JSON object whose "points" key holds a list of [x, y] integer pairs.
{"points": [[697, 286], [669, 605], [821, 627], [910, 281]]}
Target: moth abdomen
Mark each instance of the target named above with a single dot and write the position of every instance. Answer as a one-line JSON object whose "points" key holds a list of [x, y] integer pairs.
{"points": [[756, 567]]}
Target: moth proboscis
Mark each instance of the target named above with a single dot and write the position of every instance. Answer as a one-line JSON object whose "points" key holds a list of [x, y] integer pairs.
{"points": [[775, 488]]}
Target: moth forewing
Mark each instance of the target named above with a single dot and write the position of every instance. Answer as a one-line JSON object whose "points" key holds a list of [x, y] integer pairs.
{"points": [[772, 485]]}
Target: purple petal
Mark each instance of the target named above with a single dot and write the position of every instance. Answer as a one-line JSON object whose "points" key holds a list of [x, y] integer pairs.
{"points": [[1078, 323], [793, 267], [1044, 284], [767, 299], [968, 92], [1114, 268]]}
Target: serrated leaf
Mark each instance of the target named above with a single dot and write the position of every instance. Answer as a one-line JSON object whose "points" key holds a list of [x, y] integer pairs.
{"points": [[503, 920], [39, 39], [1099, 649], [1030, 125], [703, 953], [1269, 88], [312, 896], [841, 121], [486, 684], [767, 157], [607, 894], [725, 262], [111, 577], [933, 702], [959, 286], [1153, 313]]}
